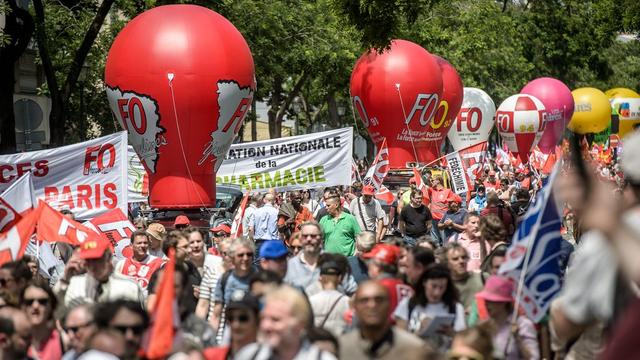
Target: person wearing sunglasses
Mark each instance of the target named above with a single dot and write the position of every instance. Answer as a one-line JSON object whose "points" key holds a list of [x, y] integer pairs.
{"points": [[295, 244], [243, 319], [79, 326], [235, 281], [39, 303], [127, 318]]}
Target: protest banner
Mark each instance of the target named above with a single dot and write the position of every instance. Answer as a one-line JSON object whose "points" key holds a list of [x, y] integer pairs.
{"points": [[88, 178], [137, 178], [113, 225], [307, 161], [456, 169]]}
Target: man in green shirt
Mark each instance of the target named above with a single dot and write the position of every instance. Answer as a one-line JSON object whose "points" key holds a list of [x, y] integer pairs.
{"points": [[340, 229]]}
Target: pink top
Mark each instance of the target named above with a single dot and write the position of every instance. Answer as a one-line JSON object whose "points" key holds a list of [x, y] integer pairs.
{"points": [[51, 349], [473, 248]]}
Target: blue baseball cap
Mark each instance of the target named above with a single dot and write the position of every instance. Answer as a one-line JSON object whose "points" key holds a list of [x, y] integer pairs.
{"points": [[273, 249]]}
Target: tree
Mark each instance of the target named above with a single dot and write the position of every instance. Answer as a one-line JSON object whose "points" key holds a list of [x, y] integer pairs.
{"points": [[18, 29], [296, 45], [61, 94]]}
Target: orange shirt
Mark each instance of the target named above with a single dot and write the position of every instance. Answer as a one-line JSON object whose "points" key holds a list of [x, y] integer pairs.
{"points": [[302, 216]]}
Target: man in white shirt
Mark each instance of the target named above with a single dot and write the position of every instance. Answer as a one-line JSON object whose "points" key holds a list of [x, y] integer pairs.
{"points": [[141, 265], [249, 214], [99, 284], [368, 212]]}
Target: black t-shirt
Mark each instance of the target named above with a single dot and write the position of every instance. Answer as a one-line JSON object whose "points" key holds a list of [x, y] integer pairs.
{"points": [[415, 220]]}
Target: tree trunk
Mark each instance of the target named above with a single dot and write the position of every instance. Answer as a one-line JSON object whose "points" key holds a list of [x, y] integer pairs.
{"points": [[60, 96], [274, 106], [288, 100], [19, 28], [254, 121], [332, 108]]}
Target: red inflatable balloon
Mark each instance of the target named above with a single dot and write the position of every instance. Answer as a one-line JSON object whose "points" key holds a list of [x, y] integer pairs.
{"points": [[180, 79], [452, 94], [396, 95]]}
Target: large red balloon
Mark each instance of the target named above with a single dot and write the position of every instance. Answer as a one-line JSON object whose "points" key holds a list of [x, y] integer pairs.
{"points": [[180, 79], [381, 84], [452, 94]]}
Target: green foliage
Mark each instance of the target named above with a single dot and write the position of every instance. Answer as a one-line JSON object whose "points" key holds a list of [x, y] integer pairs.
{"points": [[380, 21]]}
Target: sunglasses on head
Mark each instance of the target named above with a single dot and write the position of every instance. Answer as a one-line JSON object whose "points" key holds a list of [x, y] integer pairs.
{"points": [[41, 301], [135, 329]]}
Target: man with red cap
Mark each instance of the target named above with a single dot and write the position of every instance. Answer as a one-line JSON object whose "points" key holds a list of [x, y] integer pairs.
{"points": [[100, 283], [219, 232], [181, 222], [383, 267], [368, 212], [453, 220]]}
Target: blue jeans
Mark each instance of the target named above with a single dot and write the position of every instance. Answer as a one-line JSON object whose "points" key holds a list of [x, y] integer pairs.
{"points": [[409, 241], [436, 234]]}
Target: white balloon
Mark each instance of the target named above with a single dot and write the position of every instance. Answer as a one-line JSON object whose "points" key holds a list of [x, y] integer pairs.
{"points": [[474, 121]]}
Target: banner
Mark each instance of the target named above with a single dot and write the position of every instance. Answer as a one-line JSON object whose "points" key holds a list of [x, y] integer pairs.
{"points": [[458, 177], [87, 178], [532, 258], [137, 178], [308, 161], [379, 169]]}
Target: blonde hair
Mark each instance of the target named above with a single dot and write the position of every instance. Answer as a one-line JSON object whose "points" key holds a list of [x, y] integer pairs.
{"points": [[300, 308]]}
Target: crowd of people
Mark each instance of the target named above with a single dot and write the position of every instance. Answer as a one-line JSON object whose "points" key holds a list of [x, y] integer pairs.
{"points": [[343, 275]]}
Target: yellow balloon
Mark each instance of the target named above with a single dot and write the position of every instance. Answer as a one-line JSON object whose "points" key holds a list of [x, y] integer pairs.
{"points": [[621, 92], [625, 103], [592, 113]]}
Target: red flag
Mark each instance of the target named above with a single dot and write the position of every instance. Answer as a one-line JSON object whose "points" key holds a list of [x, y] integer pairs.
{"points": [[113, 226], [473, 159], [55, 227], [420, 185], [236, 226], [8, 216], [14, 242], [549, 164], [379, 169], [163, 318], [385, 195]]}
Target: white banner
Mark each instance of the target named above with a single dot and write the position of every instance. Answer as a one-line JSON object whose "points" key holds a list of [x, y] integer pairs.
{"points": [[137, 178], [87, 178], [456, 169], [307, 161]]}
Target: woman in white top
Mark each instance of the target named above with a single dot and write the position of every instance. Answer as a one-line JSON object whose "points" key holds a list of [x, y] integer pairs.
{"points": [[434, 301]]}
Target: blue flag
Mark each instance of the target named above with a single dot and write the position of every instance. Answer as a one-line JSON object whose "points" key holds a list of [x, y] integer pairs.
{"points": [[539, 236]]}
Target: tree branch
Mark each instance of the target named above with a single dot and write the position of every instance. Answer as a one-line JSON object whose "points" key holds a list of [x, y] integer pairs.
{"points": [[292, 94], [43, 49], [21, 39], [85, 47]]}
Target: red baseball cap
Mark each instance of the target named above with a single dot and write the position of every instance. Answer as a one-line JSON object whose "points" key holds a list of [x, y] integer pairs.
{"points": [[93, 248], [181, 220], [368, 190], [385, 253], [222, 227]]}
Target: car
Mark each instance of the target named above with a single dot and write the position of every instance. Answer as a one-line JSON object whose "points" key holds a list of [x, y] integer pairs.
{"points": [[228, 198]]}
